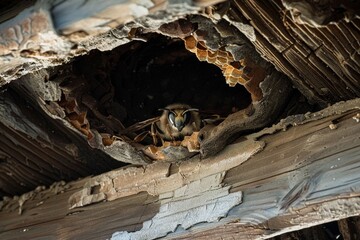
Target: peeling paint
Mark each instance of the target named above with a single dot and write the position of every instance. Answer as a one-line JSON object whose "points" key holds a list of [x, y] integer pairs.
{"points": [[200, 201], [156, 179]]}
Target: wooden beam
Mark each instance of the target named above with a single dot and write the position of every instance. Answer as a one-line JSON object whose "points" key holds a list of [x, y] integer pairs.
{"points": [[299, 173], [36, 150], [34, 33]]}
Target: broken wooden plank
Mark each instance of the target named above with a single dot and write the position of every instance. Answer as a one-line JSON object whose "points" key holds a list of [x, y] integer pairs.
{"points": [[277, 32], [301, 177], [40, 34], [35, 151]]}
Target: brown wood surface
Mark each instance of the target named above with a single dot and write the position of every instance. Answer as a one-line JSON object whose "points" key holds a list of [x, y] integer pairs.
{"points": [[321, 61], [302, 176], [37, 150]]}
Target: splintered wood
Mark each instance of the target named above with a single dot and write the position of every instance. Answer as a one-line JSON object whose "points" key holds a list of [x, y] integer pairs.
{"points": [[66, 122], [284, 178], [316, 49]]}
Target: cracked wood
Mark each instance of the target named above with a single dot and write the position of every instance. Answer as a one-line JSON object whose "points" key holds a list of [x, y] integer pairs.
{"points": [[300, 169]]}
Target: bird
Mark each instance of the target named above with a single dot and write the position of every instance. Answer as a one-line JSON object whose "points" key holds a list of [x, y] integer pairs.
{"points": [[177, 121]]}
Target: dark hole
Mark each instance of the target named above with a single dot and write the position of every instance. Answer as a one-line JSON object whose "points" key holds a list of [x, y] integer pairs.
{"points": [[133, 81], [160, 72], [95, 189]]}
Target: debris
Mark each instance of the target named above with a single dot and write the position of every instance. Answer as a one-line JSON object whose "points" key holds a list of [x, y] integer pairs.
{"points": [[356, 117], [191, 142]]}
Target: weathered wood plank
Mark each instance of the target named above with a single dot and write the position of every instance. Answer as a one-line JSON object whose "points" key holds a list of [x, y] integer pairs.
{"points": [[350, 228], [301, 177], [41, 34], [277, 34], [35, 151]]}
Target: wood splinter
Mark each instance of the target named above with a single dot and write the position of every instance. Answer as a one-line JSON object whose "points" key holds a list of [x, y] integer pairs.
{"points": [[276, 88]]}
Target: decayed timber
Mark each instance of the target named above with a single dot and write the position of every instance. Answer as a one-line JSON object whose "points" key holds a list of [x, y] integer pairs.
{"points": [[284, 178], [277, 91], [40, 34], [282, 31], [70, 95], [321, 59], [266, 184], [35, 151]]}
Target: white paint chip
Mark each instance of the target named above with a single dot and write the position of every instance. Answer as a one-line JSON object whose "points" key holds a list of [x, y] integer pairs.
{"points": [[198, 202]]}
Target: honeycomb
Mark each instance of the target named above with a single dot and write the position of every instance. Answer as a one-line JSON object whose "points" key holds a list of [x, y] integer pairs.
{"points": [[75, 116], [243, 71], [232, 70], [87, 96]]}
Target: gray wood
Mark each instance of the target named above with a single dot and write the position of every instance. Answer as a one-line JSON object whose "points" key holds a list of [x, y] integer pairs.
{"points": [[285, 178]]}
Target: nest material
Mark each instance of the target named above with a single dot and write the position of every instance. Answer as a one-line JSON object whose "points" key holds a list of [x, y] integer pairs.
{"points": [[103, 94]]}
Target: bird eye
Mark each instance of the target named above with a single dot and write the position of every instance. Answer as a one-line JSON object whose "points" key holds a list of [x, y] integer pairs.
{"points": [[187, 117], [171, 117]]}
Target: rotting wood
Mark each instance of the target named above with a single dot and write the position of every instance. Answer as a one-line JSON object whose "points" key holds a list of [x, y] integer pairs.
{"points": [[63, 37], [350, 228], [51, 33], [324, 231], [281, 186], [269, 89], [159, 178], [323, 54], [275, 42], [36, 151], [67, 98], [276, 89]]}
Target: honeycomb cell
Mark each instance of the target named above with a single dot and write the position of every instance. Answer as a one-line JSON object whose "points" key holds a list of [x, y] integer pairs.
{"points": [[233, 71]]}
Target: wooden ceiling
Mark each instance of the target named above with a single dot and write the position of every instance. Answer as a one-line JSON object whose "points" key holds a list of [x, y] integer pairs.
{"points": [[315, 46], [75, 74]]}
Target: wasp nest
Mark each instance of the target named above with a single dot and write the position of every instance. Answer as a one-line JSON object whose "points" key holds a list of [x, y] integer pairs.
{"points": [[232, 70]]}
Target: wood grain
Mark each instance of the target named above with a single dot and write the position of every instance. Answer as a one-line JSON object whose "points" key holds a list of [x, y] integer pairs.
{"points": [[301, 178]]}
